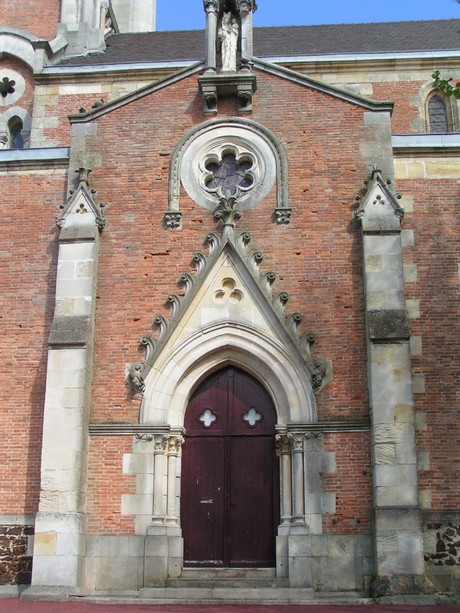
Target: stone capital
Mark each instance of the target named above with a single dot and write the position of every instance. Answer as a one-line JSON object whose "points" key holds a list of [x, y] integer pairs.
{"points": [[211, 6], [246, 6]]}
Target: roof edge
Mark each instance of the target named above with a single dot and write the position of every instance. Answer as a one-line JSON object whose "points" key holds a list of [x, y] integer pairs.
{"points": [[138, 94], [300, 79]]}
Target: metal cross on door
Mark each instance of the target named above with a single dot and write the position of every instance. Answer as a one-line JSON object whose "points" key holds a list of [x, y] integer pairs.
{"points": [[230, 479]]}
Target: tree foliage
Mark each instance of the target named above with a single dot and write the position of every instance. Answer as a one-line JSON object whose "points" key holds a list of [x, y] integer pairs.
{"points": [[445, 85]]}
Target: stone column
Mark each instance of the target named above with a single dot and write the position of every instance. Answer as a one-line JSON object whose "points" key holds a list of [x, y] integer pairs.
{"points": [[212, 10], [60, 527], [174, 446], [159, 476], [284, 452], [163, 542], [298, 492], [398, 549], [69, 12], [246, 9], [283, 445]]}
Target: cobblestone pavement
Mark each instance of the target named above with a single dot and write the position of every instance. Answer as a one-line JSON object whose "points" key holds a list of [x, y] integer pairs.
{"points": [[11, 605]]}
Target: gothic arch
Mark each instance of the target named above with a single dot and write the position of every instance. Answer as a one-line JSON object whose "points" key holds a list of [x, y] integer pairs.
{"points": [[439, 113], [172, 380], [10, 116]]}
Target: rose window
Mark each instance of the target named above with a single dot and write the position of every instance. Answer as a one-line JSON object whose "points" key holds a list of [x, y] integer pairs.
{"points": [[6, 87], [228, 174]]}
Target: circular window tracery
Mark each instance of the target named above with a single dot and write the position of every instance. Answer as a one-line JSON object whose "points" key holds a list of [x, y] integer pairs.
{"points": [[228, 170], [6, 87], [12, 87], [231, 159]]}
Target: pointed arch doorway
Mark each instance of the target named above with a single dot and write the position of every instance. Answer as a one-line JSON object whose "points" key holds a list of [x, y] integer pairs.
{"points": [[230, 474]]}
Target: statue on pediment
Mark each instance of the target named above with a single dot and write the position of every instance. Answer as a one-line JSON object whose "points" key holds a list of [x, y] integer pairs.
{"points": [[228, 35]]}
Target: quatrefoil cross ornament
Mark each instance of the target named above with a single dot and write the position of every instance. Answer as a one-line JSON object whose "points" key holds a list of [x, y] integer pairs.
{"points": [[207, 418], [252, 417]]}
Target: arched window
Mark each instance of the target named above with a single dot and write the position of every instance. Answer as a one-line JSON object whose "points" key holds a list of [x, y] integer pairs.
{"points": [[15, 138], [439, 114]]}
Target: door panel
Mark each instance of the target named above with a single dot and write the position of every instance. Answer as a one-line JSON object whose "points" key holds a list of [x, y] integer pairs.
{"points": [[230, 479], [202, 501], [251, 505]]}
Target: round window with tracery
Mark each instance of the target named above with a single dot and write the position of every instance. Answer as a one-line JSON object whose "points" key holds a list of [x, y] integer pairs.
{"points": [[226, 159]]}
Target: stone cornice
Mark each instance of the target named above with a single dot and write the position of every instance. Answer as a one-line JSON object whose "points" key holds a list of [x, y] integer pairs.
{"points": [[122, 429], [426, 145], [29, 159]]}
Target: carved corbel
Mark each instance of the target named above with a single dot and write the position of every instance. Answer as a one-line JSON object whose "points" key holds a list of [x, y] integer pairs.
{"points": [[210, 98], [227, 211], [173, 219], [282, 216], [245, 91], [139, 370]]}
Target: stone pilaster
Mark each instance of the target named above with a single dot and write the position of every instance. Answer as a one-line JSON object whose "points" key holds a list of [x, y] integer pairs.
{"points": [[60, 527], [398, 537]]}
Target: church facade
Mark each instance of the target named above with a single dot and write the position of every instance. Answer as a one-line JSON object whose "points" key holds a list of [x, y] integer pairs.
{"points": [[230, 278]]}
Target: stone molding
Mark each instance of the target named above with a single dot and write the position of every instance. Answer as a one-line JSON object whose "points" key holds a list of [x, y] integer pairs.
{"points": [[241, 85], [336, 92], [146, 430]]}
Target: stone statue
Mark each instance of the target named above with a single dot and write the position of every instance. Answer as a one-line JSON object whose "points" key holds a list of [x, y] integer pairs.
{"points": [[228, 34]]}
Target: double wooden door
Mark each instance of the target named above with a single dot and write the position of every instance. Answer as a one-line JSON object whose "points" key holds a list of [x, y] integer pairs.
{"points": [[230, 478]]}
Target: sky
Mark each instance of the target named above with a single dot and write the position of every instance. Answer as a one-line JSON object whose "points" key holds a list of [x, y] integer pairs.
{"points": [[189, 14]]}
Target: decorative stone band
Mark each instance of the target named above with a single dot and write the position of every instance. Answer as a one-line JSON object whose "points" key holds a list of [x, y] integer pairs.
{"points": [[145, 432]]}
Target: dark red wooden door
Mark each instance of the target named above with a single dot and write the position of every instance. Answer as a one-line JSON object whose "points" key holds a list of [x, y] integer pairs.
{"points": [[230, 491]]}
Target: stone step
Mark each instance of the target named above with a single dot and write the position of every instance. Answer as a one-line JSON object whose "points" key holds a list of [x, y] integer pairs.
{"points": [[228, 577], [227, 595], [187, 582], [247, 573]]}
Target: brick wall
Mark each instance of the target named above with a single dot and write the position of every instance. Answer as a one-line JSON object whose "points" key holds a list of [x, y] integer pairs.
{"points": [[29, 205], [433, 293], [40, 18]]}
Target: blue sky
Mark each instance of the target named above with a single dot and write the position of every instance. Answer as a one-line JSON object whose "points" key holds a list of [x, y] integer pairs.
{"points": [[189, 14]]}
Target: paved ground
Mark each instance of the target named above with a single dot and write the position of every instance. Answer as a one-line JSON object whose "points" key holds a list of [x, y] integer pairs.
{"points": [[11, 605]]}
